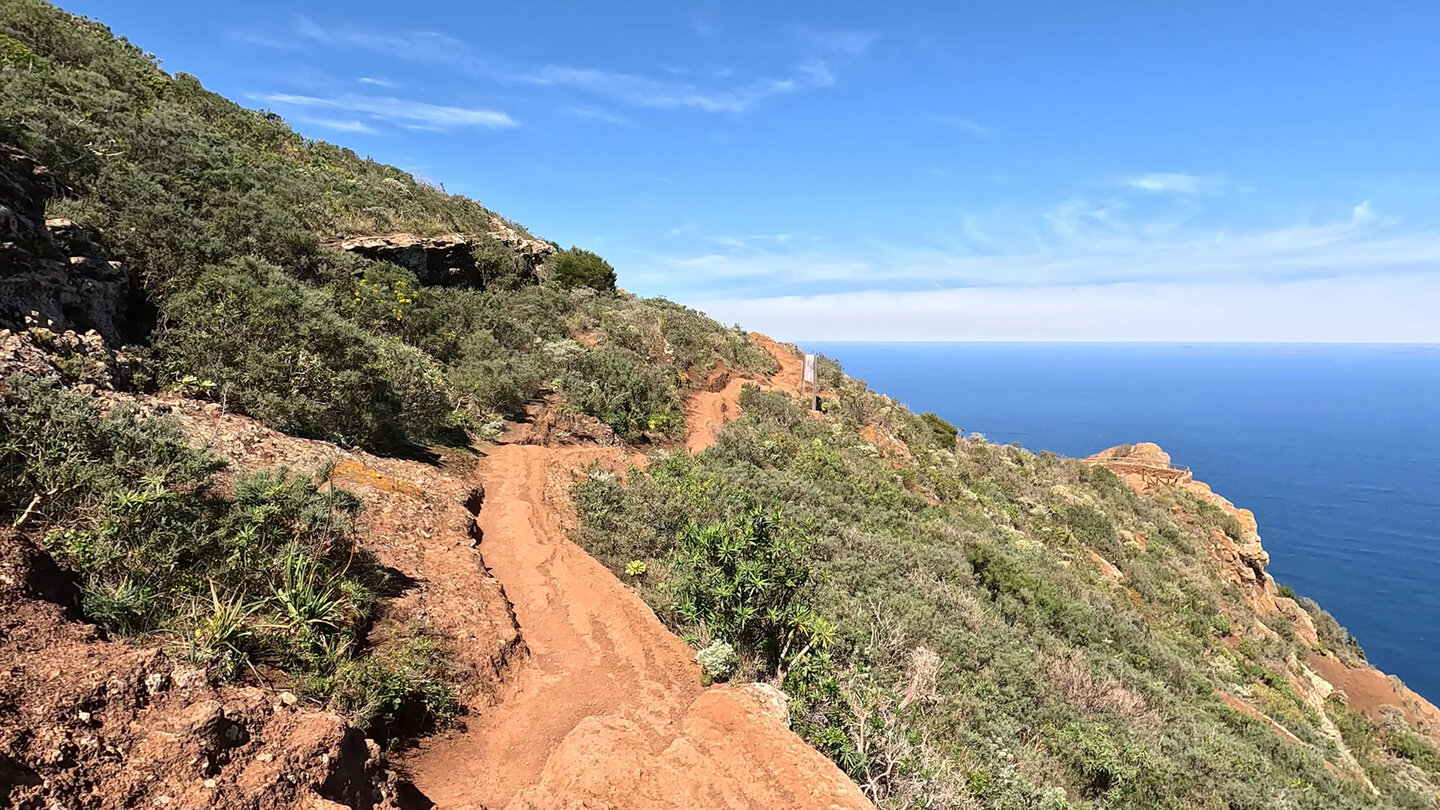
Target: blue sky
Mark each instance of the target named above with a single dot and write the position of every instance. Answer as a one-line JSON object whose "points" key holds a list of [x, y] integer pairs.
{"points": [[884, 171]]}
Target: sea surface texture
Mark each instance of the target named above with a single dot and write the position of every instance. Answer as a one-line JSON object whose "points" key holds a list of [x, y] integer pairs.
{"points": [[1335, 448]]}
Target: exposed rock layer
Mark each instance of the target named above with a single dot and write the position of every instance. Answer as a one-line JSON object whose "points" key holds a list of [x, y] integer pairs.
{"points": [[53, 272], [458, 259]]}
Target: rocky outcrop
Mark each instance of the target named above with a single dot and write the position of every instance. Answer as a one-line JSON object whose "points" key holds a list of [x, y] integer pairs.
{"points": [[53, 273], [81, 360], [1243, 559], [459, 259]]}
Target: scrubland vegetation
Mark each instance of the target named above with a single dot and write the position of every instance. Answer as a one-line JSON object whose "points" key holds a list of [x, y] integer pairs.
{"points": [[928, 601], [268, 574], [946, 637], [226, 216]]}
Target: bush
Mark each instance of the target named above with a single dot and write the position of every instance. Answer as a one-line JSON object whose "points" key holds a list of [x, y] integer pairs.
{"points": [[945, 434], [746, 581], [400, 689], [633, 397], [491, 379], [581, 268], [275, 350], [717, 660], [269, 576]]}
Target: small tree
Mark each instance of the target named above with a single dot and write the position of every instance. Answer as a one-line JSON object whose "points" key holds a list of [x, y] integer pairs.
{"points": [[581, 268]]}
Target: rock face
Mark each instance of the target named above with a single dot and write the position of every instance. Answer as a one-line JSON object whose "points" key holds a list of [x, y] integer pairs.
{"points": [[458, 259], [52, 271]]}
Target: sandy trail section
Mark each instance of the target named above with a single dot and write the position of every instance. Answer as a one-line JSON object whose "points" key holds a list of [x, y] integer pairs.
{"points": [[608, 710], [708, 411]]}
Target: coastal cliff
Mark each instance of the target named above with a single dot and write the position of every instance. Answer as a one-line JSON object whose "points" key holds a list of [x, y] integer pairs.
{"points": [[1325, 672]]}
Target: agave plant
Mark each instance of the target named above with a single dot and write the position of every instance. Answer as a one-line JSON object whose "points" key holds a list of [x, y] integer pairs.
{"points": [[310, 603], [221, 634]]}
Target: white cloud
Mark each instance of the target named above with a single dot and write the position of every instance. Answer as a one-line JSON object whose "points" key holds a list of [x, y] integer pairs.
{"points": [[400, 112], [1081, 244], [425, 46], [339, 125], [596, 114], [818, 57], [1171, 183], [1388, 309], [646, 91], [376, 82], [1090, 275]]}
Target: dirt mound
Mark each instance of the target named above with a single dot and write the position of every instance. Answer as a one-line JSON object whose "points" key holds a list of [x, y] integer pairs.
{"points": [[97, 724], [418, 520], [546, 423]]}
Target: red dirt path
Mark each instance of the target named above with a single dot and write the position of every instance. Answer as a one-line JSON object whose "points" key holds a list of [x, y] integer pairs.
{"points": [[608, 711]]}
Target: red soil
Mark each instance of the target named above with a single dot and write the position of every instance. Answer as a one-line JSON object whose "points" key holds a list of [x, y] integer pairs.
{"points": [[1368, 690], [709, 410], [608, 710]]}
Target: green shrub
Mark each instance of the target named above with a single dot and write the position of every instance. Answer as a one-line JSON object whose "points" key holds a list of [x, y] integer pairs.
{"points": [[746, 581], [277, 351], [944, 433], [617, 387], [270, 575], [490, 379], [581, 268], [401, 689], [717, 660]]}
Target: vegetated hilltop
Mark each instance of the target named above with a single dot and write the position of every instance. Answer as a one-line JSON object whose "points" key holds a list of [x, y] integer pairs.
{"points": [[193, 599]]}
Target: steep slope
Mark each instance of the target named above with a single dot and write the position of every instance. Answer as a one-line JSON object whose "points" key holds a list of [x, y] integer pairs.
{"points": [[955, 623], [1018, 629]]}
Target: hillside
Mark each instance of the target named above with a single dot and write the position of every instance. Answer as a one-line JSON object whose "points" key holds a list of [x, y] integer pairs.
{"points": [[325, 486]]}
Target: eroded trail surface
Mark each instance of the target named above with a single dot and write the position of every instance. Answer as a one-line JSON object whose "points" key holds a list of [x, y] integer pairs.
{"points": [[708, 411], [608, 710]]}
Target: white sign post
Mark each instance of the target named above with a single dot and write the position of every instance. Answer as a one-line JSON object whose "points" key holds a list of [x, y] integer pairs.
{"points": [[809, 378]]}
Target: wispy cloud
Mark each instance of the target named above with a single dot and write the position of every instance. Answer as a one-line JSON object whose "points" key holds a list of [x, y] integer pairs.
{"points": [[1167, 183], [645, 91], [399, 112], [1389, 309], [1076, 244], [336, 124], [596, 114], [818, 56], [963, 124], [375, 82], [425, 46], [821, 56]]}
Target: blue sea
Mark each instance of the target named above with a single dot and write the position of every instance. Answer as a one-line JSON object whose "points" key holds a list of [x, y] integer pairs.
{"points": [[1335, 448]]}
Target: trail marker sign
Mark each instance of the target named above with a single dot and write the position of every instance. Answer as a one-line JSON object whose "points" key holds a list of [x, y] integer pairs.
{"points": [[809, 379]]}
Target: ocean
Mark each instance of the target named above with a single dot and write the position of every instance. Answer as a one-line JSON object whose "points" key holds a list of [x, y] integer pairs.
{"points": [[1335, 448]]}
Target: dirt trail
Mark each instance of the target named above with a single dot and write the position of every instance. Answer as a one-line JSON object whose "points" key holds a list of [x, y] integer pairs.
{"points": [[608, 711], [708, 411]]}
